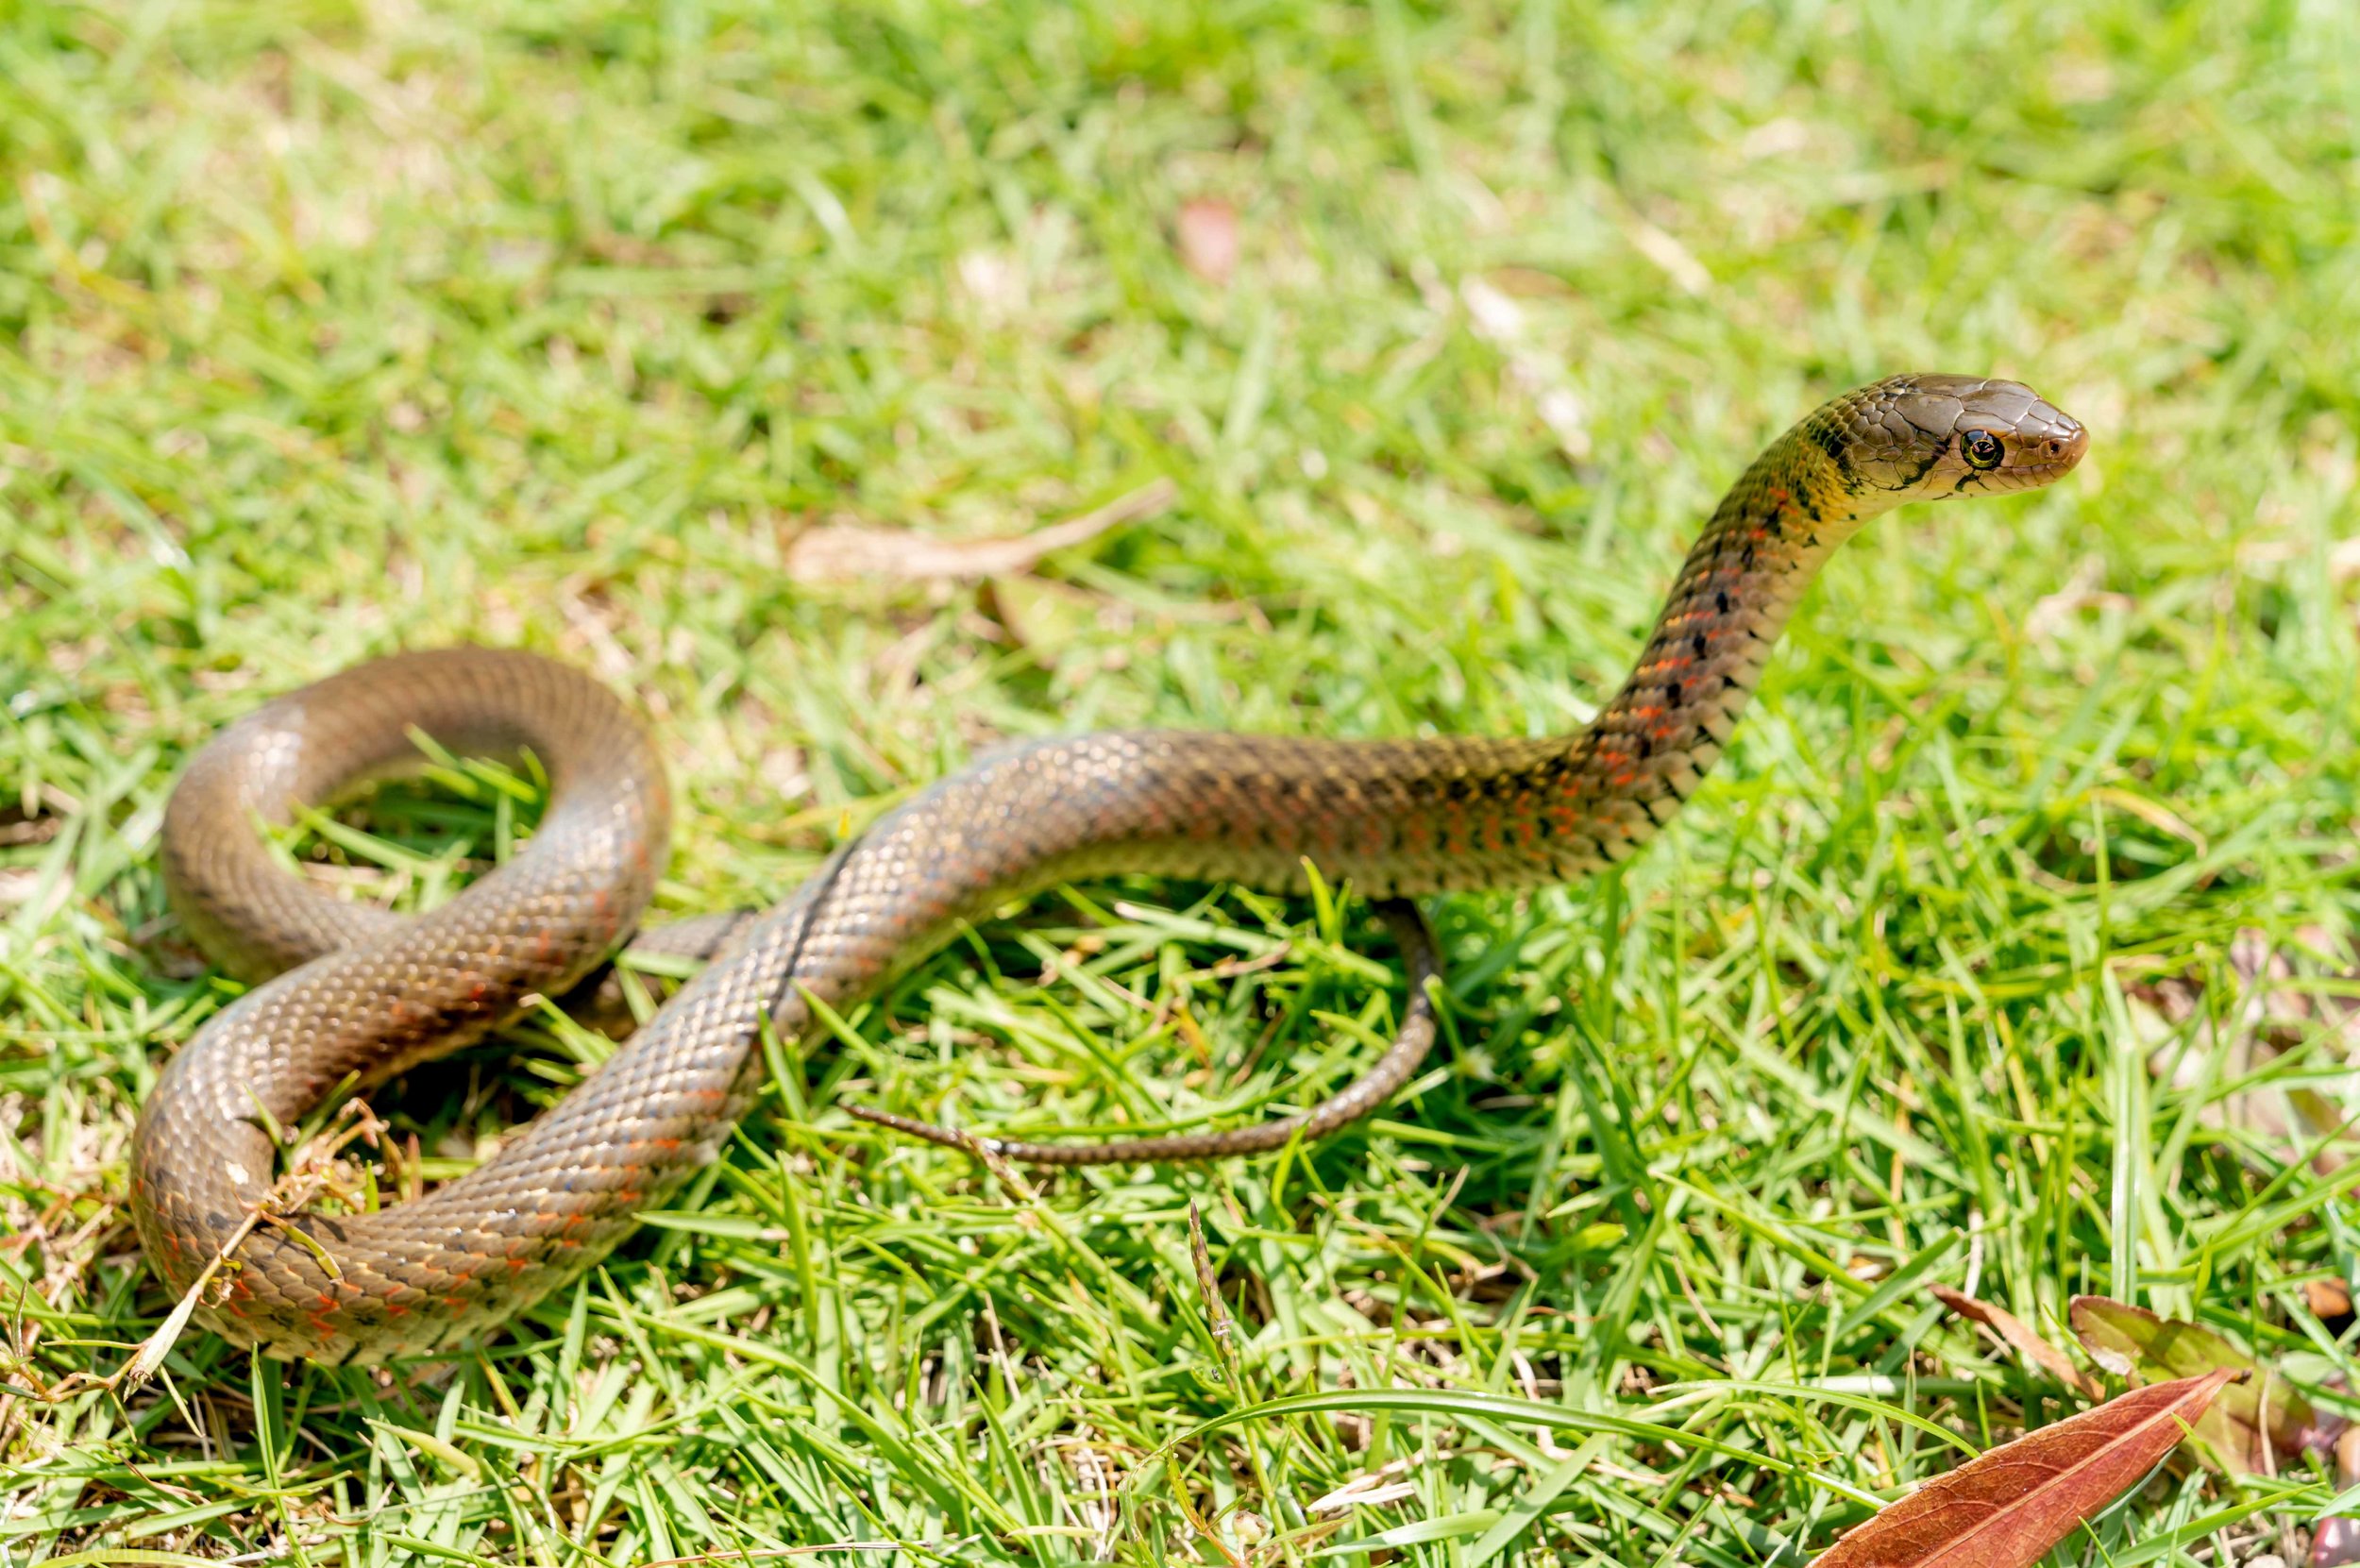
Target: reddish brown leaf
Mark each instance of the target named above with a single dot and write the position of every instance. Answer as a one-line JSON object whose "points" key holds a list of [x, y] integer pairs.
{"points": [[2007, 1508], [2019, 1334], [1207, 234], [2143, 1347]]}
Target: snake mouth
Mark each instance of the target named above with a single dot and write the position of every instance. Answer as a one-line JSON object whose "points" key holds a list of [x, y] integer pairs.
{"points": [[2058, 453], [2051, 455]]}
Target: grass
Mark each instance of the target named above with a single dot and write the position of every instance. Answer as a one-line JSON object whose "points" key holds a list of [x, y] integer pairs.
{"points": [[334, 329]]}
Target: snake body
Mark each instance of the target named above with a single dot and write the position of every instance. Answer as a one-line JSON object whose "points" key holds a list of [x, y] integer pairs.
{"points": [[349, 991]]}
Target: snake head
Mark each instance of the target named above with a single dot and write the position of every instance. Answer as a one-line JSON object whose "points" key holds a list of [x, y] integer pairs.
{"points": [[1924, 437]]}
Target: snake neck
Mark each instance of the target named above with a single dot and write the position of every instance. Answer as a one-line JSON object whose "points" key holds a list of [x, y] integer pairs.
{"points": [[1644, 754]]}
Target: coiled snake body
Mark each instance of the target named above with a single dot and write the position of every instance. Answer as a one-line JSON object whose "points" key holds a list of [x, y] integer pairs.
{"points": [[360, 991]]}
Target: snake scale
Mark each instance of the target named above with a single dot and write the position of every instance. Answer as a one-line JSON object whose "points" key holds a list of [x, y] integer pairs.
{"points": [[345, 991]]}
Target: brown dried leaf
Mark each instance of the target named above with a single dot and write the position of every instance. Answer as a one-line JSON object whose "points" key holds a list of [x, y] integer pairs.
{"points": [[2021, 1335], [837, 554], [2138, 1344], [2008, 1507], [1206, 230]]}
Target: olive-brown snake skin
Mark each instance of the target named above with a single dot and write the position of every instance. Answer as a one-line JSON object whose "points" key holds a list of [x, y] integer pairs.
{"points": [[360, 991]]}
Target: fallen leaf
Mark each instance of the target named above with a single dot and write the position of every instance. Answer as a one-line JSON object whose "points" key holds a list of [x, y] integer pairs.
{"points": [[2133, 1342], [838, 554], [2021, 1335], [2007, 1508], [1208, 233]]}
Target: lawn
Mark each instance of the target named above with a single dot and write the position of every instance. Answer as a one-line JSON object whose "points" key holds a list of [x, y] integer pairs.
{"points": [[327, 330]]}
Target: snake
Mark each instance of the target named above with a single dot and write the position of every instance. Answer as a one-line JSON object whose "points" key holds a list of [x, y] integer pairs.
{"points": [[344, 993]]}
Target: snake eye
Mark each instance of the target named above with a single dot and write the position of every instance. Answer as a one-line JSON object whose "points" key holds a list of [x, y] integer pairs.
{"points": [[1980, 448]]}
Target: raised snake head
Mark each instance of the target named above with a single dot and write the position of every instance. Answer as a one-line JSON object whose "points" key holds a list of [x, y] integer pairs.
{"points": [[1923, 437]]}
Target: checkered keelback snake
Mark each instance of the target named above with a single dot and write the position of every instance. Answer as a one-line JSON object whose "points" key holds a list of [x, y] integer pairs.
{"points": [[358, 991]]}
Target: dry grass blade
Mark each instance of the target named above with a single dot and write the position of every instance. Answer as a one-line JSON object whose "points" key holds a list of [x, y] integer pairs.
{"points": [[2021, 1335], [1208, 1287], [2007, 1509], [842, 554]]}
